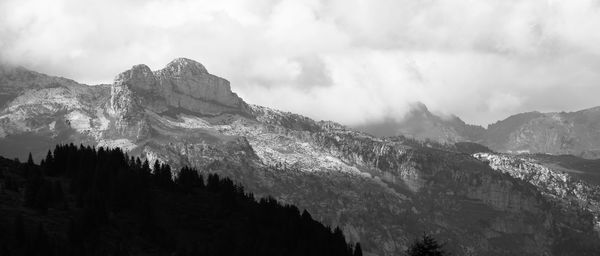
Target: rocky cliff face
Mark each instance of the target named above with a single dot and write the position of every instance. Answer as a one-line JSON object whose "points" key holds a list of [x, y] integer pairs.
{"points": [[183, 84], [382, 192]]}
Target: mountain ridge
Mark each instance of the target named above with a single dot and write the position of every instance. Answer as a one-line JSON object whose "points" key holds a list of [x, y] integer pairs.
{"points": [[382, 192], [575, 133]]}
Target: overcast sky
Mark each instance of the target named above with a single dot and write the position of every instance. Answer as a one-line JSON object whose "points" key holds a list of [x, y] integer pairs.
{"points": [[352, 61]]}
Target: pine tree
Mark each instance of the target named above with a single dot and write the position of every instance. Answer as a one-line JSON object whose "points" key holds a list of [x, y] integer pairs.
{"points": [[5, 251], [30, 160], [73, 233], [48, 164], [188, 179], [165, 174], [43, 197], [32, 188], [146, 166], [107, 185], [58, 193], [156, 167], [426, 246], [20, 229], [357, 250], [41, 239]]}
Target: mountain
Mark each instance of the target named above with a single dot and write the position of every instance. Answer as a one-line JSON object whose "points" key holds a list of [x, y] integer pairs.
{"points": [[575, 133], [421, 124], [382, 192]]}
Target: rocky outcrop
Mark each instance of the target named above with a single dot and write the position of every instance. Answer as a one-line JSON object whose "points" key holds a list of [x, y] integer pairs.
{"points": [[183, 84]]}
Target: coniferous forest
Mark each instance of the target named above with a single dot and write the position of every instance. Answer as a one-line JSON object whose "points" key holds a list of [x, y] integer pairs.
{"points": [[88, 201]]}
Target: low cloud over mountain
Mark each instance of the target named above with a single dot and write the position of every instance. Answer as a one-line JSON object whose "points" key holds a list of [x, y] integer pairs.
{"points": [[354, 62]]}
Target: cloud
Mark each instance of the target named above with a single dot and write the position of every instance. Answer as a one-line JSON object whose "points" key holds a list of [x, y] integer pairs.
{"points": [[352, 61]]}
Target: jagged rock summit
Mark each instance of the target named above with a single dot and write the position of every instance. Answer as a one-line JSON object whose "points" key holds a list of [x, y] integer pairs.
{"points": [[183, 84]]}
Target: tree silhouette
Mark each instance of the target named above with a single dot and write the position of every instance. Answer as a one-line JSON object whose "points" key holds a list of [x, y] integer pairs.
{"points": [[5, 251], [426, 246], [30, 160], [188, 179], [19, 228], [116, 205], [357, 250]]}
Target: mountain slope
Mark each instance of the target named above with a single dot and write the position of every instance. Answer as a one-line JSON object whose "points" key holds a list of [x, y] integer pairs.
{"points": [[382, 192]]}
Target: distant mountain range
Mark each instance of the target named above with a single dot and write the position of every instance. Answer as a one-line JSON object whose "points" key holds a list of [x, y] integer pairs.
{"points": [[382, 192], [573, 133]]}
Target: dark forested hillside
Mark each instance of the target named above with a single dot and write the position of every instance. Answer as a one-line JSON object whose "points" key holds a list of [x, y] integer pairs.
{"points": [[87, 201]]}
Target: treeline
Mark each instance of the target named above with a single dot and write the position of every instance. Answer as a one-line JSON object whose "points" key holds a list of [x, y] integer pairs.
{"points": [[88, 201]]}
